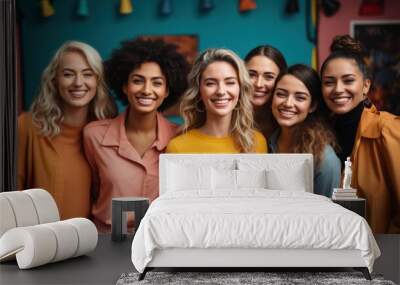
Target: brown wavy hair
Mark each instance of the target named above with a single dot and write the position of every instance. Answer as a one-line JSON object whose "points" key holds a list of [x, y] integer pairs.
{"points": [[312, 136]]}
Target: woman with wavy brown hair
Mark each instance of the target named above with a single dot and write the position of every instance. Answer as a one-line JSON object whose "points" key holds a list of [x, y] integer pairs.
{"points": [[50, 154], [299, 110], [217, 109]]}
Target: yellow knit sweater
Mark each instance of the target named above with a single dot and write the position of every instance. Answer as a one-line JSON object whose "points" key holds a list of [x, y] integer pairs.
{"points": [[195, 141]]}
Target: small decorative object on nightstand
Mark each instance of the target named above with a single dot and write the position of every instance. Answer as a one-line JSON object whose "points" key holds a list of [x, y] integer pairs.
{"points": [[344, 194], [347, 196], [347, 174], [120, 206]]}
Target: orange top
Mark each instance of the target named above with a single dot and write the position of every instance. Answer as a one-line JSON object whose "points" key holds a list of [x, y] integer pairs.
{"points": [[376, 165], [118, 170], [57, 165]]}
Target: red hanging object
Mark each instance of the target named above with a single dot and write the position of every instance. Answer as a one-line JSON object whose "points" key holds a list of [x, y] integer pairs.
{"points": [[247, 5], [371, 8]]}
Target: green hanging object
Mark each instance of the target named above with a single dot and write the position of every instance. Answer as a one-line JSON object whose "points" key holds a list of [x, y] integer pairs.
{"points": [[292, 7], [165, 7], [47, 8], [206, 5], [82, 8]]}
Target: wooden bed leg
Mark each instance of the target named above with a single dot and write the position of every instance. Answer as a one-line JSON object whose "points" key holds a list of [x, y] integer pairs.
{"points": [[364, 271], [143, 274]]}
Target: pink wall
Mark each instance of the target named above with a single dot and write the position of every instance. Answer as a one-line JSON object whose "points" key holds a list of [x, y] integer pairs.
{"points": [[339, 23]]}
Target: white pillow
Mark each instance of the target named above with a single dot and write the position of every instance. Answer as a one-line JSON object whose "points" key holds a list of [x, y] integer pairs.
{"points": [[224, 179], [182, 177], [234, 179], [251, 178], [281, 174], [293, 179]]}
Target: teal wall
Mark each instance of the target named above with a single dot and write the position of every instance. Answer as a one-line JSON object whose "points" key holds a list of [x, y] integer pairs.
{"points": [[105, 28]]}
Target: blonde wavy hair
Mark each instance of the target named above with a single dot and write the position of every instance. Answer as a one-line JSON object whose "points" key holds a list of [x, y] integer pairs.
{"points": [[46, 109], [192, 107]]}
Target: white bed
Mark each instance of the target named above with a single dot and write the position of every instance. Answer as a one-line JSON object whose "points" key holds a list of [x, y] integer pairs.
{"points": [[247, 210]]}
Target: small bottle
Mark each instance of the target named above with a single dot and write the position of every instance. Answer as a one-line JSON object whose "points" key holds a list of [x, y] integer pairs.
{"points": [[347, 174]]}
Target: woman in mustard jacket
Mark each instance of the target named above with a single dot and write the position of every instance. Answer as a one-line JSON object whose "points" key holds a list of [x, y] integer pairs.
{"points": [[371, 138]]}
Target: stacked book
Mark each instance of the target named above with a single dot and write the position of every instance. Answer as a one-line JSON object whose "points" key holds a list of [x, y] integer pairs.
{"points": [[344, 194]]}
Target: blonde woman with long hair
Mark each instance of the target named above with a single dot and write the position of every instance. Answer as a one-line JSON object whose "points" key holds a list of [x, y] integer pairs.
{"points": [[217, 109], [50, 154]]}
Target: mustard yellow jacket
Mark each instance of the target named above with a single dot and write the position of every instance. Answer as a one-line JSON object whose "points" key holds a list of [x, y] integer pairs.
{"points": [[47, 163], [376, 168]]}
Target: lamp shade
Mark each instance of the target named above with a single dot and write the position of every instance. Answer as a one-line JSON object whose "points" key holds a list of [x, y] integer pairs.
{"points": [[371, 8], [47, 8], [82, 8], [206, 5], [292, 6], [125, 7], [166, 7], [247, 5], [330, 7]]}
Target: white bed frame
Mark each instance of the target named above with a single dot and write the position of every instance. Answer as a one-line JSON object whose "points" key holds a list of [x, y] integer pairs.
{"points": [[250, 258]]}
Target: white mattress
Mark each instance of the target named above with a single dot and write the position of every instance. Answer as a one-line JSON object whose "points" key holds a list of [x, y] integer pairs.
{"points": [[251, 218]]}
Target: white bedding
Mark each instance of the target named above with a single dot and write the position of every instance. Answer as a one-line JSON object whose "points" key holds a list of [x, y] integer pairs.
{"points": [[251, 218]]}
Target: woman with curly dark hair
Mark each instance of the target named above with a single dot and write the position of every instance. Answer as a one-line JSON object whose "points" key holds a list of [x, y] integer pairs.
{"points": [[123, 152], [299, 110]]}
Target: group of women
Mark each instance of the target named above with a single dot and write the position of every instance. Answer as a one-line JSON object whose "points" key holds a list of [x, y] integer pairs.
{"points": [[74, 144]]}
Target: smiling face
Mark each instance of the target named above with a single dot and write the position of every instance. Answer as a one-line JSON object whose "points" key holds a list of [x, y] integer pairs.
{"points": [[75, 80], [263, 72], [146, 88], [219, 88], [343, 85], [291, 102]]}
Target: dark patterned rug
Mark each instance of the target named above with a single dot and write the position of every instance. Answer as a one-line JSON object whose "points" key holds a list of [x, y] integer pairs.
{"points": [[231, 278]]}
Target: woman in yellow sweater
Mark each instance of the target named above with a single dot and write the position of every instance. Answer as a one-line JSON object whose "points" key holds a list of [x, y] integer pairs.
{"points": [[50, 155], [217, 109]]}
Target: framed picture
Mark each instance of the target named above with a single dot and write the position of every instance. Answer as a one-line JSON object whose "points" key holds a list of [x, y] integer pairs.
{"points": [[381, 40]]}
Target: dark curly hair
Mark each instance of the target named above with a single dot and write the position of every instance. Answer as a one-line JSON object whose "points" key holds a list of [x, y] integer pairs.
{"points": [[345, 46], [134, 53]]}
